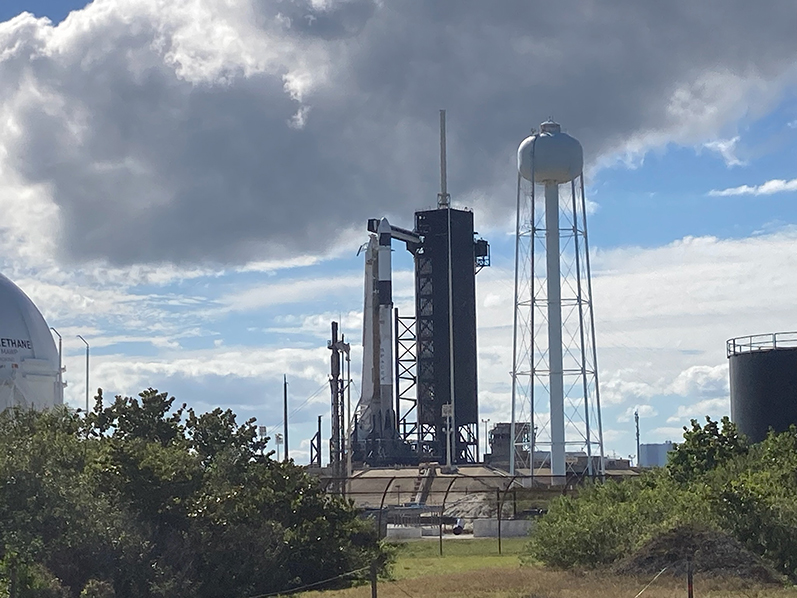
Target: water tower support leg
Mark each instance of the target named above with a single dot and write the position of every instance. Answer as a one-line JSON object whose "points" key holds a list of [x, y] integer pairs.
{"points": [[556, 379]]}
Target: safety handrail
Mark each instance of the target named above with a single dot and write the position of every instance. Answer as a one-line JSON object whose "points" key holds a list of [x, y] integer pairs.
{"points": [[761, 342]]}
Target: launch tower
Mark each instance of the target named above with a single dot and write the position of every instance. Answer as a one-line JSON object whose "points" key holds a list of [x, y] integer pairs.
{"points": [[419, 394]]}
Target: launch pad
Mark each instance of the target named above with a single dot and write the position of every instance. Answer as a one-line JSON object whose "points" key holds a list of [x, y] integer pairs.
{"points": [[419, 394], [419, 399]]}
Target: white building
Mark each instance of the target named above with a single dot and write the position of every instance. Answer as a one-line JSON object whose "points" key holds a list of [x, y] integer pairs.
{"points": [[29, 360]]}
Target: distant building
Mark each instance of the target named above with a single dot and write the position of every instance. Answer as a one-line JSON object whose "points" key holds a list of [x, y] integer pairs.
{"points": [[576, 462], [654, 455], [500, 443]]}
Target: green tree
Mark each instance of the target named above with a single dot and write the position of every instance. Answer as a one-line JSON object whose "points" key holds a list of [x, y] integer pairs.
{"points": [[253, 508], [147, 500], [98, 589], [714, 478], [607, 521], [704, 448], [755, 498], [51, 517]]}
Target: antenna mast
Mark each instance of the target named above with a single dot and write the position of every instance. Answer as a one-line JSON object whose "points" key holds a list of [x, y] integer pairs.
{"points": [[444, 203], [443, 198]]}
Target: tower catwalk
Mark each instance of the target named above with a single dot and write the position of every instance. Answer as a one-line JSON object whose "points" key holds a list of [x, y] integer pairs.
{"points": [[554, 361]]}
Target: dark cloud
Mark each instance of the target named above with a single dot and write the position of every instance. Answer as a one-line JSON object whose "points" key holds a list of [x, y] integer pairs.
{"points": [[159, 143], [328, 21]]}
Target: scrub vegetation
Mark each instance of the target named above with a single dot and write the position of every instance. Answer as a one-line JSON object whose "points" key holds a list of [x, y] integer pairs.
{"points": [[142, 500], [714, 482]]}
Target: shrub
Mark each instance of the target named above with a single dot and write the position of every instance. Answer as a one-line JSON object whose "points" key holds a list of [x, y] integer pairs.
{"points": [[713, 478]]}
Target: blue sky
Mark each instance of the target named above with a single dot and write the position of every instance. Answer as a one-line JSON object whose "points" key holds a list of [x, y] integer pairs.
{"points": [[55, 10], [187, 185]]}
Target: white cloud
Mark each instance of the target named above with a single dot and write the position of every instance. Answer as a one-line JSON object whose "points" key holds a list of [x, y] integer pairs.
{"points": [[663, 433], [624, 385], [128, 374], [291, 291], [716, 408], [643, 411], [727, 149], [318, 325], [663, 315], [221, 146], [493, 300], [691, 284], [702, 381], [768, 188], [138, 131]]}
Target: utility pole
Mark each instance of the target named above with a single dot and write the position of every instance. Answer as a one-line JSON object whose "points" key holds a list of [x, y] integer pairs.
{"points": [[486, 442], [285, 413], [373, 573], [348, 422], [334, 387], [339, 348], [636, 422], [60, 393], [318, 441], [533, 430], [87, 372]]}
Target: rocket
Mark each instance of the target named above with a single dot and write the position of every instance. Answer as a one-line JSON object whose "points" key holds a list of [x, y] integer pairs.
{"points": [[385, 314], [377, 417]]}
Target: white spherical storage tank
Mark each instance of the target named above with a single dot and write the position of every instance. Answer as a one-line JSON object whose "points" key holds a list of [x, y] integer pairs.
{"points": [[552, 156], [29, 364]]}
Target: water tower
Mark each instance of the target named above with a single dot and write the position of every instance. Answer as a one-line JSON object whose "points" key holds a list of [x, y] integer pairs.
{"points": [[555, 396]]}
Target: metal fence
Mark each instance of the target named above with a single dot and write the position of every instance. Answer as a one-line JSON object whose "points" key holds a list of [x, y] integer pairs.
{"points": [[425, 503]]}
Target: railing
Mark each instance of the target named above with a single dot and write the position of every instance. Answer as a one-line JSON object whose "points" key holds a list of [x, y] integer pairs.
{"points": [[761, 342]]}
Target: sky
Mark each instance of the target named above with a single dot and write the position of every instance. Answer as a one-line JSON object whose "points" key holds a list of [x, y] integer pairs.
{"points": [[186, 184]]}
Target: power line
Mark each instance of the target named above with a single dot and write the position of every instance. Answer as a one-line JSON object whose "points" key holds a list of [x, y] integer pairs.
{"points": [[651, 582], [405, 592], [307, 400], [310, 585]]}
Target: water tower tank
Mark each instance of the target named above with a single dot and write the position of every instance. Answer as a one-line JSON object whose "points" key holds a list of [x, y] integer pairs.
{"points": [[29, 364], [763, 376], [550, 156]]}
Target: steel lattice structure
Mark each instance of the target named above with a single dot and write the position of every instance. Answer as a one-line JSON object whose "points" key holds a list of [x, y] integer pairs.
{"points": [[555, 392]]}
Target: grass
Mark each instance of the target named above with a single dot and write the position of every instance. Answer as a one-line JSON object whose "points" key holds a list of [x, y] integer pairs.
{"points": [[472, 568], [421, 558]]}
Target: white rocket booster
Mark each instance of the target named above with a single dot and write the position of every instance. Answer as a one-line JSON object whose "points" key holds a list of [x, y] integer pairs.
{"points": [[376, 412], [385, 294]]}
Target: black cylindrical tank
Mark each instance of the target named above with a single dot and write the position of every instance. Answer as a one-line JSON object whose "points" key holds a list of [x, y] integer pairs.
{"points": [[763, 376]]}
